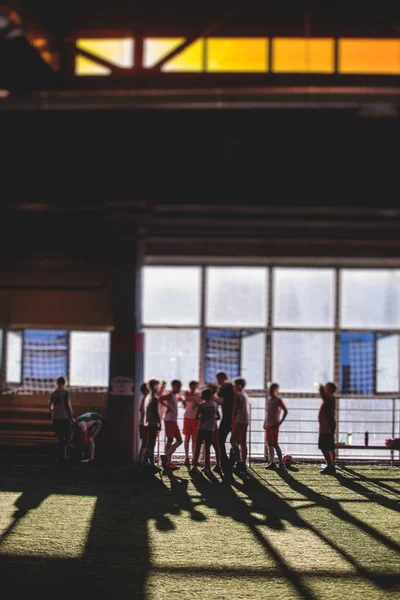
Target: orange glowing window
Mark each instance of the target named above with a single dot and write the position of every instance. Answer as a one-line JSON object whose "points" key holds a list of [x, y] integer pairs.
{"points": [[239, 55], [117, 51], [84, 66], [189, 60], [155, 49], [370, 56], [303, 55]]}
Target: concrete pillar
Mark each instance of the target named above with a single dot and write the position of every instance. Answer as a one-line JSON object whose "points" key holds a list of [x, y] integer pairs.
{"points": [[126, 360]]}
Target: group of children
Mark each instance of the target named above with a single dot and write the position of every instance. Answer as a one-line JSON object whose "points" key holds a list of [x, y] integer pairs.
{"points": [[202, 417]]}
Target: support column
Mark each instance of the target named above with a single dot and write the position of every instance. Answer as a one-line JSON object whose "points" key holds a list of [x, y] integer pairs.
{"points": [[126, 360]]}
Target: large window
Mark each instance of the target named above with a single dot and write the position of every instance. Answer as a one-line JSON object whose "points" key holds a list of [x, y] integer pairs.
{"points": [[14, 357], [236, 297], [36, 357], [172, 354], [171, 296], [297, 326], [89, 358], [108, 56], [304, 297]]}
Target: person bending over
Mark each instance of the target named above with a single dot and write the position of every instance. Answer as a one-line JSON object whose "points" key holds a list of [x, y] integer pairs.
{"points": [[89, 425]]}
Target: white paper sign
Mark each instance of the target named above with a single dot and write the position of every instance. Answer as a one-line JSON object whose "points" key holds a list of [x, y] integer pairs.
{"points": [[121, 386]]}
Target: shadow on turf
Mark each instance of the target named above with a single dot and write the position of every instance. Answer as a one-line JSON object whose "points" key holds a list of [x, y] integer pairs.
{"points": [[221, 497], [336, 510], [374, 481], [277, 511], [116, 560]]}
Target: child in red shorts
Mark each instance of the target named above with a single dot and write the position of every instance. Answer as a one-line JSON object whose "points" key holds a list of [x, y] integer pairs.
{"points": [[172, 431], [273, 407], [190, 423]]}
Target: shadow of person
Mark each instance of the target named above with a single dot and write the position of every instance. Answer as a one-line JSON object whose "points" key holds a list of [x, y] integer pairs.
{"points": [[221, 497], [278, 510], [181, 497], [26, 502], [115, 558], [335, 508], [374, 481], [358, 488]]}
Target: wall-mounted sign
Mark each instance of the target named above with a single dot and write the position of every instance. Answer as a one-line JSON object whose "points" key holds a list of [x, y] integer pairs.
{"points": [[122, 386]]}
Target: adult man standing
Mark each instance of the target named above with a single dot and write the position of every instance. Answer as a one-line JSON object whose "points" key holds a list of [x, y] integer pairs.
{"points": [[226, 395]]}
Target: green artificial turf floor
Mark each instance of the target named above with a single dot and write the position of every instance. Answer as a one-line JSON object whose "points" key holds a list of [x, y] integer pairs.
{"points": [[104, 533]]}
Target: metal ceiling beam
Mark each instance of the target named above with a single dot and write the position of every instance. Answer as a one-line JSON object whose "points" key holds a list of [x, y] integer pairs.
{"points": [[221, 98]]}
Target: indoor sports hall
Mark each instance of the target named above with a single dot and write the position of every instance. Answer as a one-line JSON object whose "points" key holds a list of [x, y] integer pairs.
{"points": [[200, 300]]}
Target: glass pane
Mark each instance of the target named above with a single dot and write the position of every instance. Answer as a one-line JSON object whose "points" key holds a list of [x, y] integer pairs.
{"points": [[189, 60], [300, 359], [222, 353], [357, 363], [253, 360], [357, 416], [369, 56], [304, 297], [117, 51], [237, 55], [14, 357], [370, 298], [171, 296], [301, 55], [45, 357], [89, 358], [85, 66], [156, 48], [172, 354], [236, 296], [256, 433], [387, 363]]}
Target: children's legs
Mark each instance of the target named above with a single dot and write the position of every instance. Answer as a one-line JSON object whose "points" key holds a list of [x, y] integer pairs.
{"points": [[217, 451], [266, 452], [187, 440], [235, 447], [142, 451], [207, 463], [168, 444], [91, 448], [333, 457], [327, 456], [271, 452], [279, 452], [151, 442], [243, 451], [199, 443], [194, 444], [174, 446]]}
